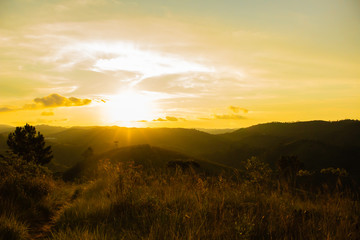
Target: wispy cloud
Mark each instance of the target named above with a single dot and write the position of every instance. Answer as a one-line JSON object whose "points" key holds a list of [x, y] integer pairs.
{"points": [[45, 121], [123, 56], [229, 116], [236, 109], [225, 117], [6, 109], [47, 113], [169, 118]]}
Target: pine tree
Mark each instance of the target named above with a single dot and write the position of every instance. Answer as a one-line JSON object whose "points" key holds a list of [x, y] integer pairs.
{"points": [[30, 146]]}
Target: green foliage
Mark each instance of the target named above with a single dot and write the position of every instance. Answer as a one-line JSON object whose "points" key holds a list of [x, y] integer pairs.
{"points": [[30, 146]]}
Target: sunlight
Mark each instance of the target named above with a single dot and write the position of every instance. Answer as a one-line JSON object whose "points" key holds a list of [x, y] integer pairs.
{"points": [[129, 107], [123, 56]]}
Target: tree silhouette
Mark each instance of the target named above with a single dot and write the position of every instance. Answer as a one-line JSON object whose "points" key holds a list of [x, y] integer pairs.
{"points": [[30, 146], [288, 167], [88, 153]]}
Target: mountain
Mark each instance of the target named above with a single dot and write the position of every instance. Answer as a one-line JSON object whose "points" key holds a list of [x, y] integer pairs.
{"points": [[69, 144], [340, 133], [47, 130], [3, 145], [318, 144], [149, 157], [6, 128], [217, 131]]}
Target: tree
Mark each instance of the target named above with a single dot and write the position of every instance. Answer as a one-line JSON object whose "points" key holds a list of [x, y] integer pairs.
{"points": [[88, 153], [288, 167], [30, 146]]}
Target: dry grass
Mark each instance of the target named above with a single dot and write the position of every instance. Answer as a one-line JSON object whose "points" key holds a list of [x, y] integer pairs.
{"points": [[128, 203]]}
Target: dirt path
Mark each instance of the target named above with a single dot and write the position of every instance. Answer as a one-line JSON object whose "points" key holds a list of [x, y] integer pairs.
{"points": [[41, 227]]}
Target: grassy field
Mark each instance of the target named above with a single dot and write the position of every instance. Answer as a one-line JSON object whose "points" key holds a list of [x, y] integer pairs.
{"points": [[129, 202]]}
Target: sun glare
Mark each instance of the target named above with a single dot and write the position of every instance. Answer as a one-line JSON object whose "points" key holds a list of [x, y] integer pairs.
{"points": [[128, 107]]}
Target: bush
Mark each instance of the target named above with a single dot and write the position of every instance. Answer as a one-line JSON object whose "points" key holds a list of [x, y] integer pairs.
{"points": [[24, 190], [256, 171], [23, 180]]}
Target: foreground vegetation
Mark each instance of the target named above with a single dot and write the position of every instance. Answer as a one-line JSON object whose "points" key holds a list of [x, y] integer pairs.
{"points": [[126, 201]]}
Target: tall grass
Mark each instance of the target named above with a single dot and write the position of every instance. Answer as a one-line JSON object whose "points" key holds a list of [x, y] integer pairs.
{"points": [[29, 198], [126, 202], [12, 228]]}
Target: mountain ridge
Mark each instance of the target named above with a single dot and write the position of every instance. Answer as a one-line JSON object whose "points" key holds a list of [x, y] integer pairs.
{"points": [[319, 144]]}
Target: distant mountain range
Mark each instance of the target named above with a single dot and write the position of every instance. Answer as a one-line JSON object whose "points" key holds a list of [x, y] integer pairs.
{"points": [[318, 144]]}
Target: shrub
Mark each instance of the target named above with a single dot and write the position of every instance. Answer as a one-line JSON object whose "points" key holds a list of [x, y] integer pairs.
{"points": [[21, 179], [256, 171], [24, 188]]}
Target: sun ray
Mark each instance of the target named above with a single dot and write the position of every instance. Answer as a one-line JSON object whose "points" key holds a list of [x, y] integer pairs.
{"points": [[128, 108]]}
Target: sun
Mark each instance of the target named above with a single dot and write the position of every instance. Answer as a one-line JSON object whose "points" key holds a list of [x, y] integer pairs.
{"points": [[129, 107]]}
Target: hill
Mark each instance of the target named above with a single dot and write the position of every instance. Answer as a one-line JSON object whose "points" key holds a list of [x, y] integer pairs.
{"points": [[70, 143], [6, 128], [318, 144], [149, 157], [340, 133]]}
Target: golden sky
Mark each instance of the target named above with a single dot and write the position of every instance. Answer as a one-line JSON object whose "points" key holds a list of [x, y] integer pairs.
{"points": [[199, 63]]}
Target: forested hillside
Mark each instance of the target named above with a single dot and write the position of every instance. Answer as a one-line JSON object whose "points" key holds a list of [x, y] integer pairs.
{"points": [[318, 144]]}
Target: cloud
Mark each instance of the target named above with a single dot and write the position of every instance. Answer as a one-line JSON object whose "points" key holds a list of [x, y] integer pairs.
{"points": [[168, 118], [236, 109], [45, 121], [6, 109], [159, 120], [229, 116], [52, 101], [47, 114], [56, 100], [171, 118], [225, 117]]}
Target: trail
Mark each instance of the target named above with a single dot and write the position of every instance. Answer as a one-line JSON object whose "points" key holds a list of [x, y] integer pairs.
{"points": [[42, 226]]}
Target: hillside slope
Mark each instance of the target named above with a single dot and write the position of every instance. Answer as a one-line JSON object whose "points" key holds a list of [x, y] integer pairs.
{"points": [[319, 144], [149, 157], [69, 144], [340, 133]]}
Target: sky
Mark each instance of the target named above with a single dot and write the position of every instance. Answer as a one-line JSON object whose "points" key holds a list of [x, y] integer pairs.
{"points": [[192, 64]]}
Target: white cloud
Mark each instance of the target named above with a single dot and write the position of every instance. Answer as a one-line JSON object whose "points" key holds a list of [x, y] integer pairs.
{"points": [[123, 56]]}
